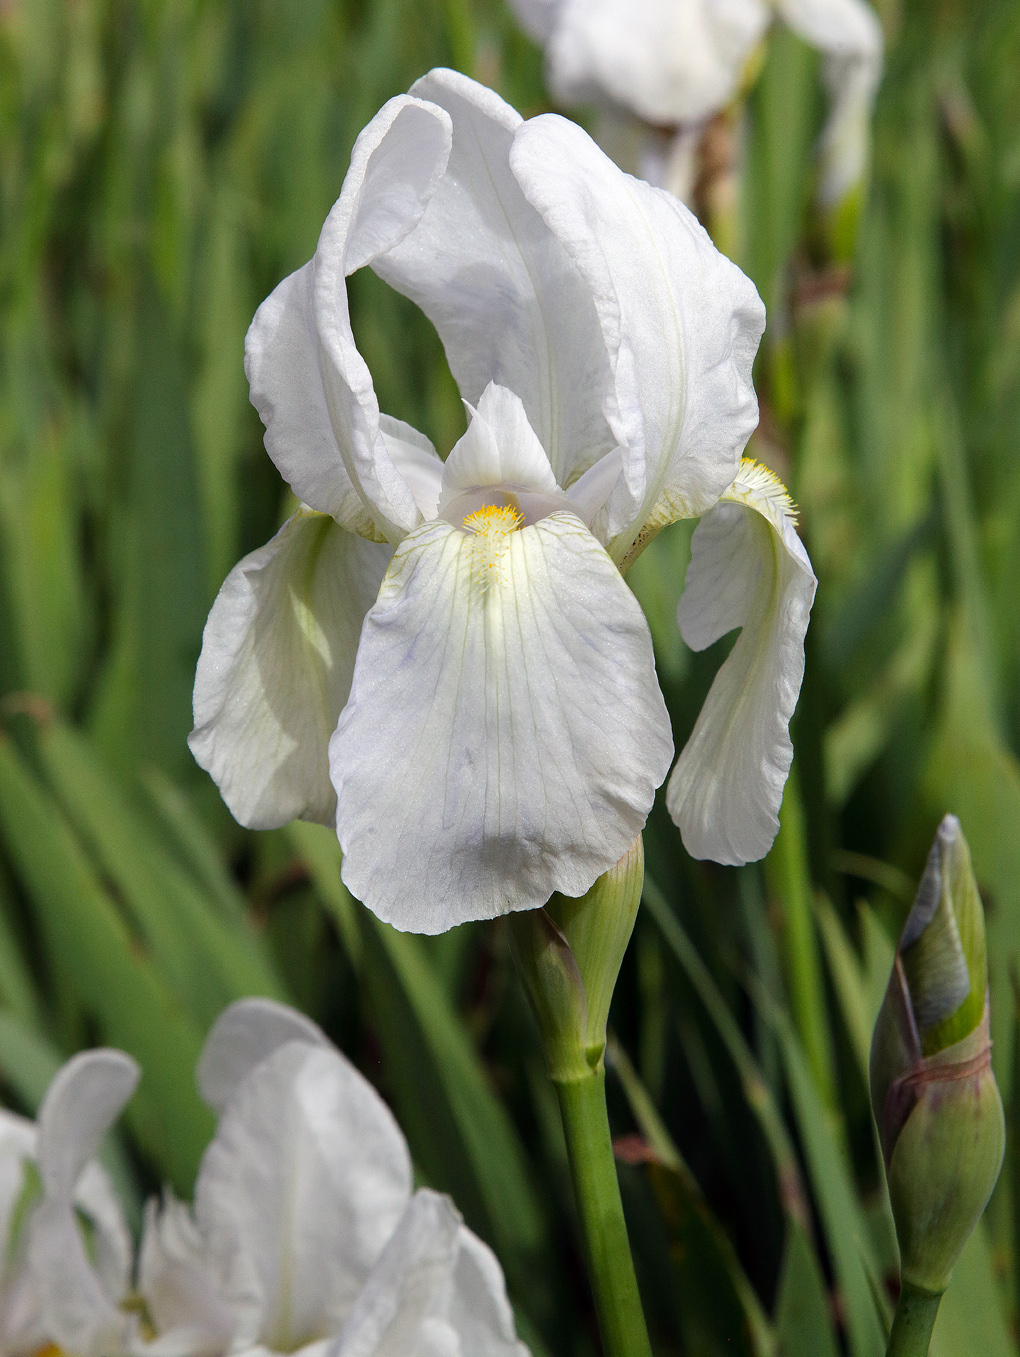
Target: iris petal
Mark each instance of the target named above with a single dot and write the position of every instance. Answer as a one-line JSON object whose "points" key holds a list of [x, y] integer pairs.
{"points": [[275, 670], [748, 569], [502, 740], [309, 383], [79, 1304], [298, 1194], [507, 300], [680, 322]]}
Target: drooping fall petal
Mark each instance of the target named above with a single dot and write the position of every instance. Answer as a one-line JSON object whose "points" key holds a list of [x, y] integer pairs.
{"points": [[748, 569], [275, 670], [504, 735]]}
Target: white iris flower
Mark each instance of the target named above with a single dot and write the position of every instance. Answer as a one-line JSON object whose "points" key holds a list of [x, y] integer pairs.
{"points": [[305, 1212], [442, 658], [676, 63], [304, 1237]]}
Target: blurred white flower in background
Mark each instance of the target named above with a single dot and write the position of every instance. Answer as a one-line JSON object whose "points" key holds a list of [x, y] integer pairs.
{"points": [[305, 1213], [91, 1304], [21, 1323], [305, 1236], [674, 64], [457, 635], [19, 1308]]}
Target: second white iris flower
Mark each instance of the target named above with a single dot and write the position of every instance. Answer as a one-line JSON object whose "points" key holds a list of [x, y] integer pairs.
{"points": [[677, 63], [305, 1236], [442, 658]]}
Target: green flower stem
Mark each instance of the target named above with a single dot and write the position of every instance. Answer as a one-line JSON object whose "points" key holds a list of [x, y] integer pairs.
{"points": [[913, 1322], [597, 1189]]}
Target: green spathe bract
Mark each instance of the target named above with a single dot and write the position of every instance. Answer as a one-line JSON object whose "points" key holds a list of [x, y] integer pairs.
{"points": [[932, 1087], [569, 956]]}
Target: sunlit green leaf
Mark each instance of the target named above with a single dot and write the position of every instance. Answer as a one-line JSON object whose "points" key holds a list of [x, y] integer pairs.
{"points": [[86, 935]]}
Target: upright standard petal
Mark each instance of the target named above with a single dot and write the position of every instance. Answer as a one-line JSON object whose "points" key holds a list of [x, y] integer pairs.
{"points": [[309, 383], [298, 1194], [281, 361], [669, 61], [509, 304], [505, 732], [681, 323], [396, 166], [275, 669], [79, 1312], [247, 1032], [748, 569], [21, 1328], [850, 35], [81, 1104]]}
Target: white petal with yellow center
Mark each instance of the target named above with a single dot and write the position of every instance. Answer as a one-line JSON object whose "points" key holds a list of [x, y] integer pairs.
{"points": [[490, 527], [748, 569], [503, 739]]}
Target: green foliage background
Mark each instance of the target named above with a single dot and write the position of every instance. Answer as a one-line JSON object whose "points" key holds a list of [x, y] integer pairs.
{"points": [[163, 163]]}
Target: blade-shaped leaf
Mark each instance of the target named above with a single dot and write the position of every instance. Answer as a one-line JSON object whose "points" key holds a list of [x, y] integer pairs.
{"points": [[716, 1304], [117, 985], [756, 1090], [803, 1324], [846, 1230], [971, 1316], [205, 961]]}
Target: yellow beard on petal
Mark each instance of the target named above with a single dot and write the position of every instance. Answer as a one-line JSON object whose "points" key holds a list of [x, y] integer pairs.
{"points": [[491, 527], [761, 489]]}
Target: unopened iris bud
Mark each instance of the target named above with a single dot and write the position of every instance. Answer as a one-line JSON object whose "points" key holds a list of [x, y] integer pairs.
{"points": [[569, 956], [933, 1092]]}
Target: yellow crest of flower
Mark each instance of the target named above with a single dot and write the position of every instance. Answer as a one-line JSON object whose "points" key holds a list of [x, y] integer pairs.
{"points": [[491, 527]]}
